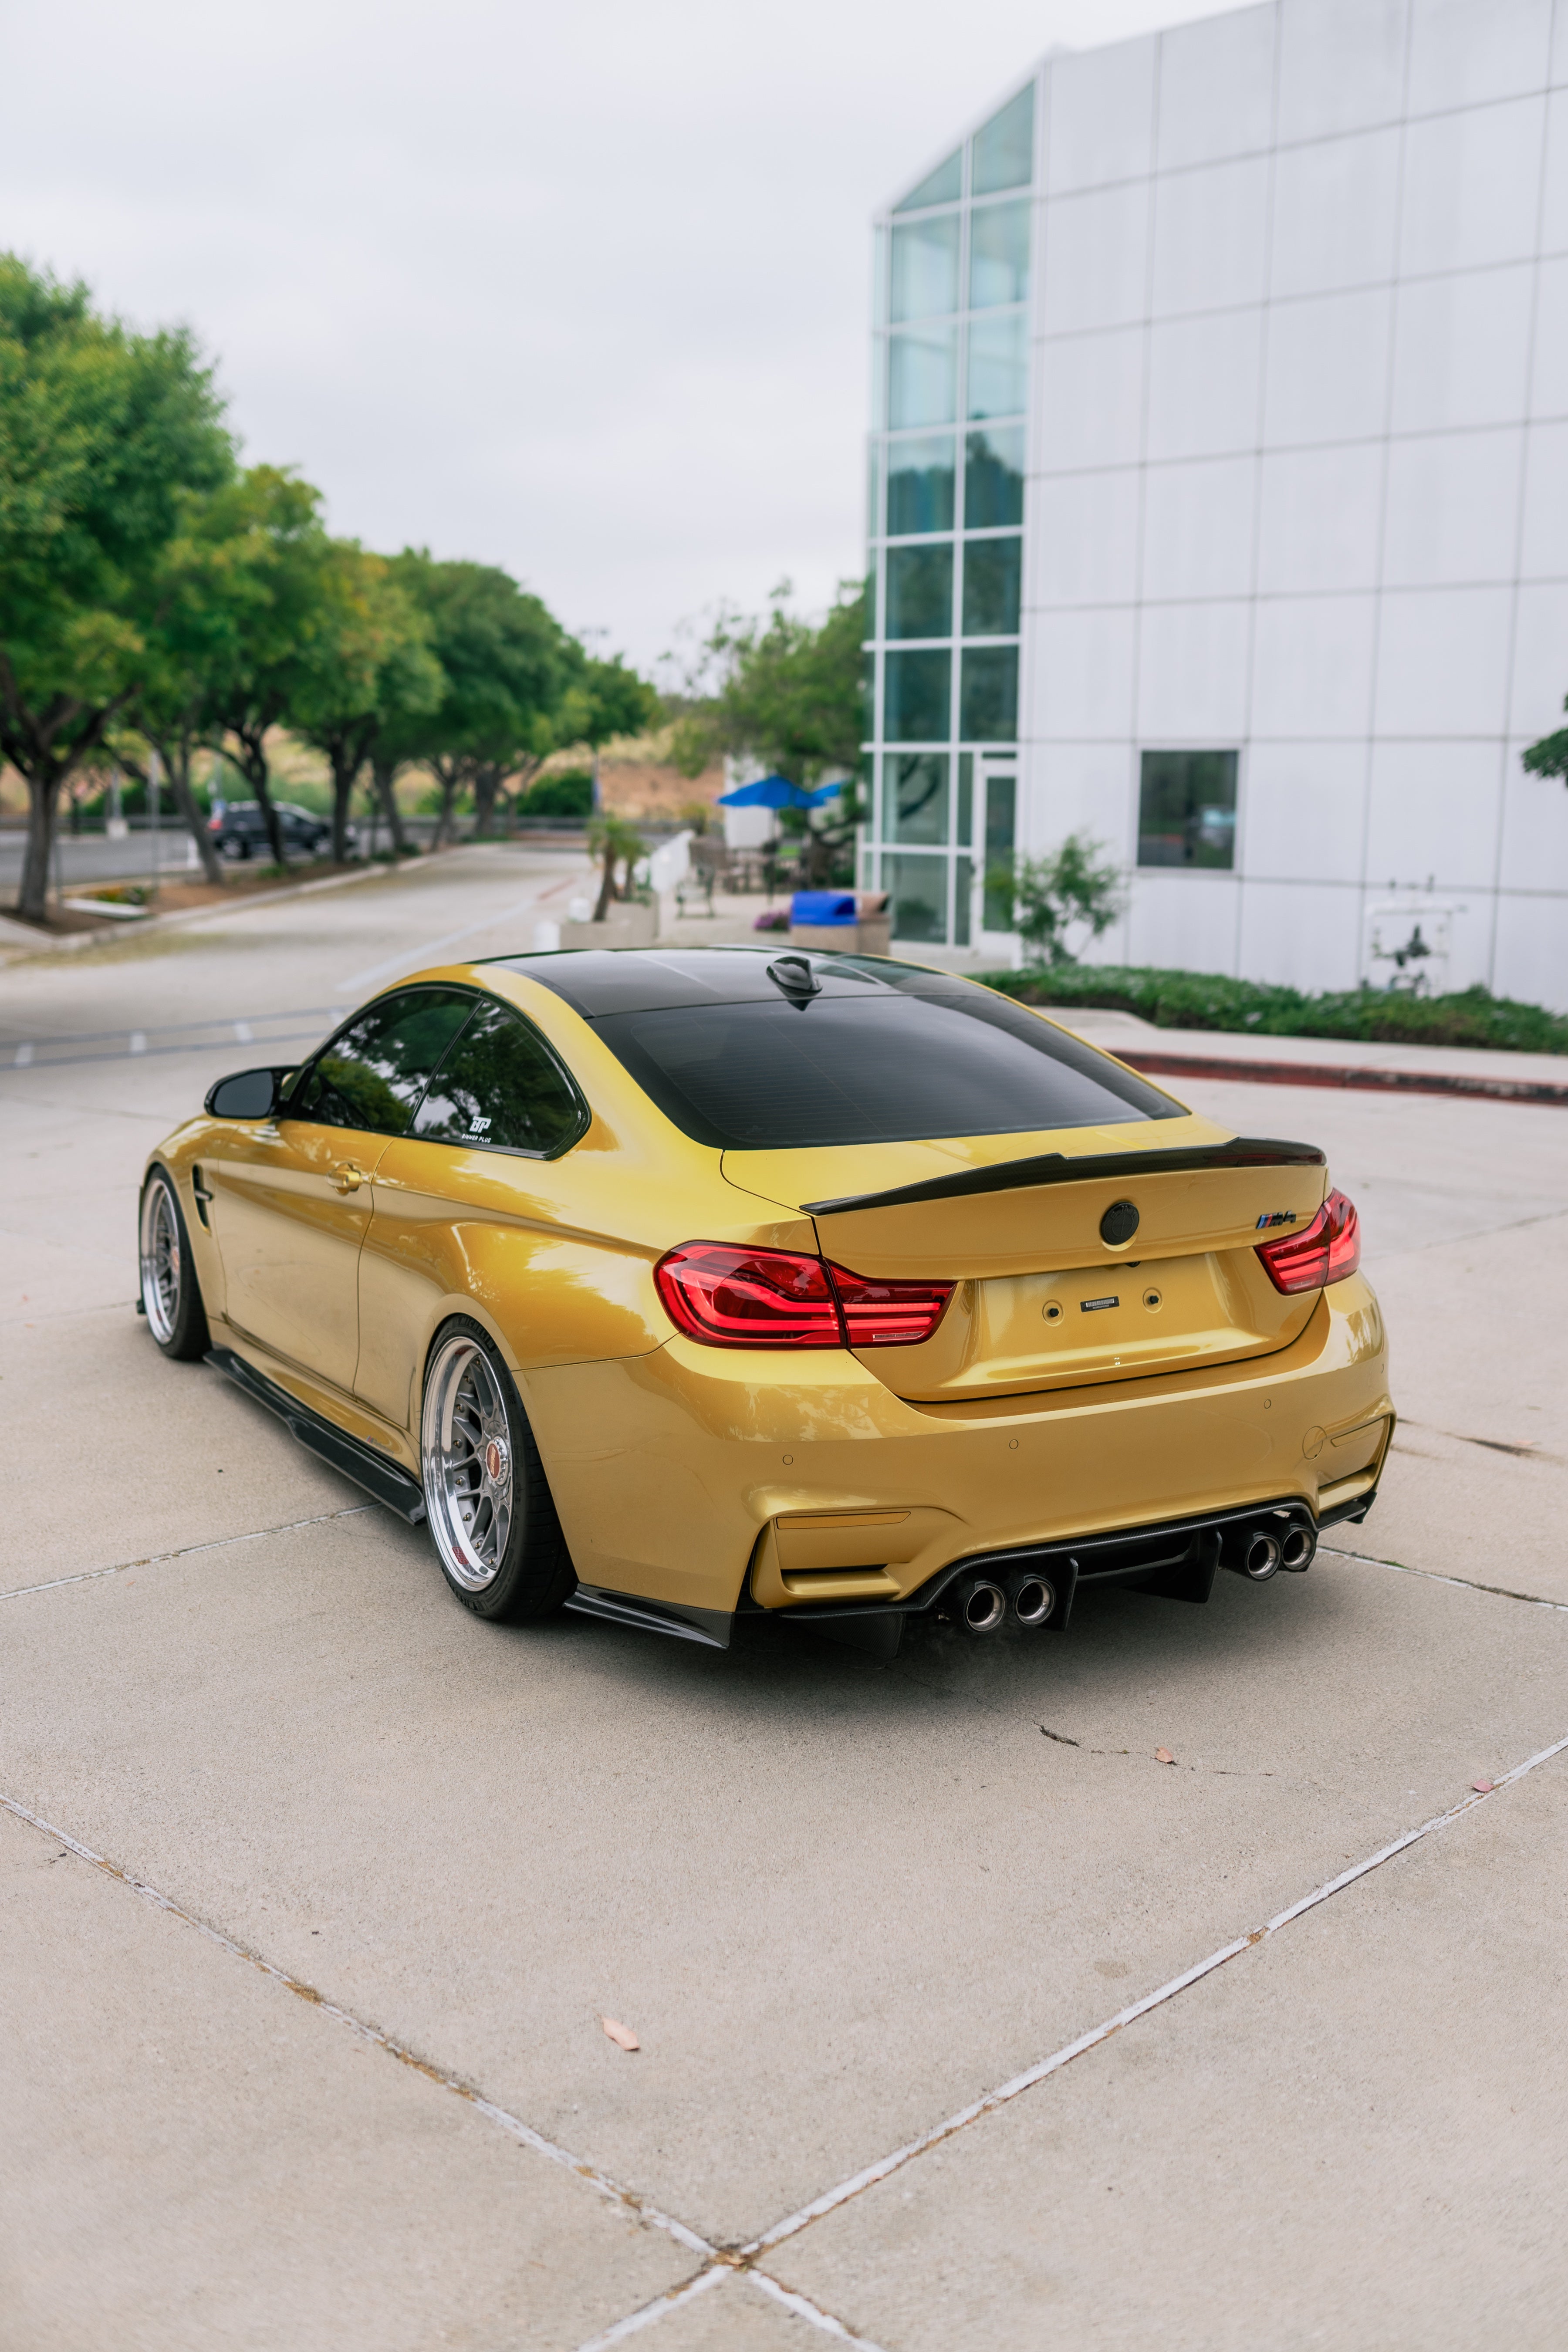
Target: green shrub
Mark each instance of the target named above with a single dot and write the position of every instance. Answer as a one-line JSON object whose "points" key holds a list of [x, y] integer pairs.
{"points": [[1204, 999], [568, 794]]}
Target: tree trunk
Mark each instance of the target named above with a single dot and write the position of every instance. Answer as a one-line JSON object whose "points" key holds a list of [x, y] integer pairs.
{"points": [[607, 887], [176, 754], [449, 776], [345, 775], [43, 803], [252, 765], [487, 784], [383, 778]]}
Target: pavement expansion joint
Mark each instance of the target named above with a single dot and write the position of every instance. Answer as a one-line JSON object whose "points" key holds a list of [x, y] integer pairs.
{"points": [[189, 1552], [721, 2262], [1459, 1583]]}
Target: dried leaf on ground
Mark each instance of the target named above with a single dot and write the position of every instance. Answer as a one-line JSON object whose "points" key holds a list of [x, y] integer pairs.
{"points": [[1164, 1756], [621, 2035], [1482, 1788]]}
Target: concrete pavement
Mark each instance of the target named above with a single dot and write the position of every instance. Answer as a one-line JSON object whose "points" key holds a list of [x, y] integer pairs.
{"points": [[839, 1901]]}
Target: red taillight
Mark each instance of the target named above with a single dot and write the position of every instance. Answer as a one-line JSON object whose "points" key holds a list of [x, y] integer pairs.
{"points": [[1326, 1252], [889, 1314], [776, 1298]]}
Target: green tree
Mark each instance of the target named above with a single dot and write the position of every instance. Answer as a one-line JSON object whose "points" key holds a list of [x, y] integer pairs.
{"points": [[603, 699], [1052, 894], [100, 432], [372, 672], [611, 838], [1549, 756]]}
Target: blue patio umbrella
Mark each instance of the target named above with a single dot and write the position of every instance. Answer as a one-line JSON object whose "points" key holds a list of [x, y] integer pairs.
{"points": [[769, 791]]}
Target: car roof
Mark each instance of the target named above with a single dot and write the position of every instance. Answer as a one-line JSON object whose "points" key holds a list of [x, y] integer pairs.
{"points": [[599, 980]]}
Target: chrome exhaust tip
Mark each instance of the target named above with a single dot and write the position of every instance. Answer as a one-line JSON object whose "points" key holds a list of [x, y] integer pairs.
{"points": [[1297, 1550], [979, 1605], [1260, 1561], [1033, 1600]]}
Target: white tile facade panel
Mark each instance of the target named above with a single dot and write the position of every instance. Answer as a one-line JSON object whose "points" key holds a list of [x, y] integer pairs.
{"points": [[1461, 350], [1198, 528], [1336, 207], [1554, 193], [1463, 51], [1318, 518], [1472, 187], [1081, 675], [1442, 668], [1084, 788], [1210, 228], [1534, 825], [1328, 369], [1299, 935], [1539, 661], [1192, 673], [1090, 400], [1558, 46], [1342, 65], [1216, 87], [1313, 666], [1302, 810], [1549, 376], [1096, 271], [1203, 384], [1433, 812], [1099, 112], [1083, 538], [1527, 959], [1543, 554], [1453, 508], [1172, 915]]}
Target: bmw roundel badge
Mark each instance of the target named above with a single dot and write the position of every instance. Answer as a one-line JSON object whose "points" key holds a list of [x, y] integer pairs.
{"points": [[1119, 1224]]}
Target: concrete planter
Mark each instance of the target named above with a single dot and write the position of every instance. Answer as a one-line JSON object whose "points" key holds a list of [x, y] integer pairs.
{"points": [[628, 926]]}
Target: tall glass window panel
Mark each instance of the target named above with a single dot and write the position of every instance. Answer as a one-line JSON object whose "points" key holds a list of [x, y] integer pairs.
{"points": [[992, 572], [1186, 809], [998, 254], [919, 484], [874, 462], [923, 376], [963, 891], [914, 801], [917, 698], [918, 889], [993, 478], [988, 703], [1001, 828], [919, 591], [1005, 151], [998, 364], [966, 834], [925, 268], [942, 186]]}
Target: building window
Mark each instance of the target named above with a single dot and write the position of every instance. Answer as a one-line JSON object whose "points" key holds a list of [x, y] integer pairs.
{"points": [[919, 484], [925, 267], [998, 366], [998, 256], [1004, 152], [1186, 809], [942, 186], [923, 376], [920, 591], [988, 701], [914, 798], [993, 478], [918, 888], [993, 570], [917, 698], [1001, 833]]}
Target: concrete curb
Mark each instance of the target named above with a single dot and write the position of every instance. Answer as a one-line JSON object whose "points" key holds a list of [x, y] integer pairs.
{"points": [[1340, 1074]]}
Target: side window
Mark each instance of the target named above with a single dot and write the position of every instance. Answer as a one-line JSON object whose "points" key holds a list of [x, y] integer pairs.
{"points": [[500, 1089], [372, 1075]]}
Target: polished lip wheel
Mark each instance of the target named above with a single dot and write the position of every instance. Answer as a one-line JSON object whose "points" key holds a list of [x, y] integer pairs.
{"points": [[160, 1267], [466, 1448]]}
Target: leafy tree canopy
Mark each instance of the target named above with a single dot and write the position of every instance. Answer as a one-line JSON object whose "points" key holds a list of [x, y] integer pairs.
{"points": [[1549, 756]]}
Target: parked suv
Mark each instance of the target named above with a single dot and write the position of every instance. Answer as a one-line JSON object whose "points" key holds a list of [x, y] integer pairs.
{"points": [[239, 829]]}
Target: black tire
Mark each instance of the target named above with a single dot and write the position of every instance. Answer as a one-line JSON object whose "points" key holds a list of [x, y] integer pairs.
{"points": [[171, 1293], [491, 1515]]}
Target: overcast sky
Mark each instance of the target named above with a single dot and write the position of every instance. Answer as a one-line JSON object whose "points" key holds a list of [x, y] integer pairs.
{"points": [[580, 289]]}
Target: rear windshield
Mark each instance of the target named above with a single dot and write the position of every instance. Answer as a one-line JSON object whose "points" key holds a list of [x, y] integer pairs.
{"points": [[870, 1070]]}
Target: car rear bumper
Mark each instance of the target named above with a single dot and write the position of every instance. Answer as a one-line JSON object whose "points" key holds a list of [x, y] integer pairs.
{"points": [[708, 1479]]}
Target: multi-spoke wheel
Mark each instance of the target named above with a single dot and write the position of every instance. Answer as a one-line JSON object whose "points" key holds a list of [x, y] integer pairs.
{"points": [[171, 1295], [485, 1494]]}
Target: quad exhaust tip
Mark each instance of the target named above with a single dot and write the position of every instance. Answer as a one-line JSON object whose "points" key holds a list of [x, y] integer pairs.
{"points": [[981, 1606], [1260, 1561], [1033, 1600], [1262, 1552], [1296, 1550]]}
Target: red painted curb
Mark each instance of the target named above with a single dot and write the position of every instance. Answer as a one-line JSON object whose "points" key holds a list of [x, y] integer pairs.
{"points": [[1338, 1073]]}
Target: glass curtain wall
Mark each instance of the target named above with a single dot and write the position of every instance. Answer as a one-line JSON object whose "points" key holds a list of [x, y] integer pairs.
{"points": [[946, 523]]}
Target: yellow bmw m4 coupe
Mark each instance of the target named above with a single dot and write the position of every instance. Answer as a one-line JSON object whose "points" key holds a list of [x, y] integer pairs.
{"points": [[673, 1284]]}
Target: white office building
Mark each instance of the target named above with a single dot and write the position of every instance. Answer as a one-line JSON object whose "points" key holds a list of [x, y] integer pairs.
{"points": [[1219, 496]]}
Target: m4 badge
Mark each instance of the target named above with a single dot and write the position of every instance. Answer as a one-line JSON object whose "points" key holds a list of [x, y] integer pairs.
{"points": [[1279, 1217]]}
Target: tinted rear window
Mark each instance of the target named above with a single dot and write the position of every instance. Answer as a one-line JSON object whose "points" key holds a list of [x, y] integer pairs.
{"points": [[883, 1069]]}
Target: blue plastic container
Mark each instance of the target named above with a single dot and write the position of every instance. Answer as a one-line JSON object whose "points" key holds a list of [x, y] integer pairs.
{"points": [[823, 910]]}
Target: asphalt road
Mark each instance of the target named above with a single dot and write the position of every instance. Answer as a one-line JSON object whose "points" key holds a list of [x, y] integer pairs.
{"points": [[315, 1889]]}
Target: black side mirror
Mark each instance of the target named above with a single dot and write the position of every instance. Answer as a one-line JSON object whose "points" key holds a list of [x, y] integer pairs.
{"points": [[249, 1094]]}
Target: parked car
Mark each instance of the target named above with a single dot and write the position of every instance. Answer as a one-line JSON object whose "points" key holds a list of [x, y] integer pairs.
{"points": [[676, 1284], [239, 830]]}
